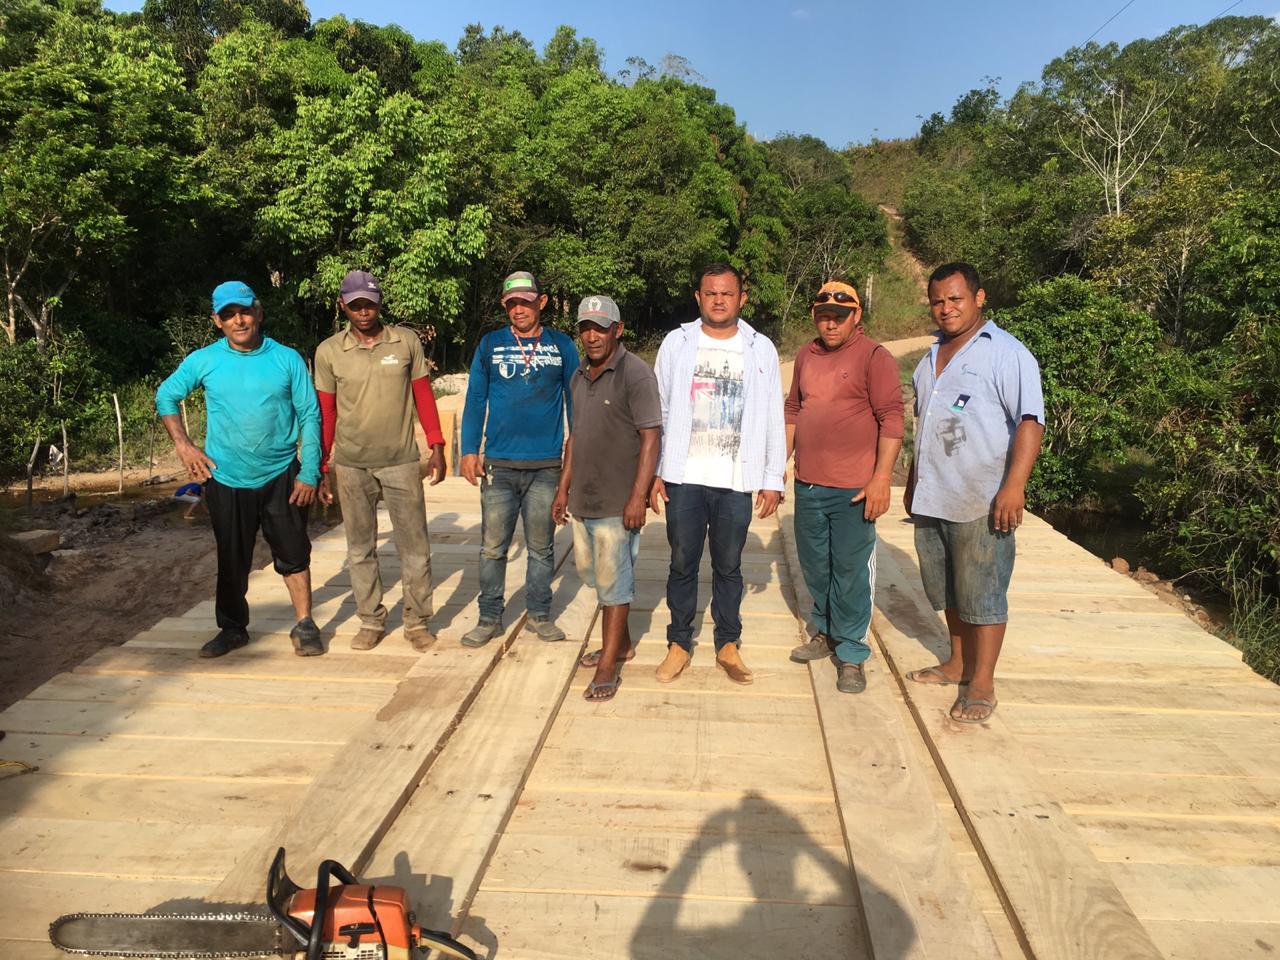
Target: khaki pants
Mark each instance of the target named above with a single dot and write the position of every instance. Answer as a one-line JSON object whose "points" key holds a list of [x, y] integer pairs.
{"points": [[401, 488]]}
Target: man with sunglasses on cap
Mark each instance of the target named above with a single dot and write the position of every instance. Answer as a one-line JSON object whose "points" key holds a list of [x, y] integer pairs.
{"points": [[845, 426], [518, 397], [371, 380], [723, 438], [261, 409]]}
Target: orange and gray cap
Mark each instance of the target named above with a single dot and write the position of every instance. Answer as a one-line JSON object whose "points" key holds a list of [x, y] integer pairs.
{"points": [[837, 297], [520, 285], [600, 310]]}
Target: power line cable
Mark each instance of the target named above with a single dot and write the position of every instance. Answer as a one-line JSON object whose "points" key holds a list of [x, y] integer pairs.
{"points": [[1113, 16]]}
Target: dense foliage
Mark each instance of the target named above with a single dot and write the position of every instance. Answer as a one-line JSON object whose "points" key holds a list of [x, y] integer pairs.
{"points": [[144, 158], [1125, 211]]}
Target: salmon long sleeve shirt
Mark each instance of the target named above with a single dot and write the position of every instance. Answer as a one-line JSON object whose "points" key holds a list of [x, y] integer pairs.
{"points": [[842, 402]]}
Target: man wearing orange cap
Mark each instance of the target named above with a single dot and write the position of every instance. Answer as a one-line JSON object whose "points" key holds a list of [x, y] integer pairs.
{"points": [[844, 425]]}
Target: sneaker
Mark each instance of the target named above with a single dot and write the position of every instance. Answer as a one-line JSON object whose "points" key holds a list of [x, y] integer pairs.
{"points": [[481, 633], [306, 638], [544, 629], [228, 639], [367, 638], [730, 661], [852, 678], [819, 648], [421, 638]]}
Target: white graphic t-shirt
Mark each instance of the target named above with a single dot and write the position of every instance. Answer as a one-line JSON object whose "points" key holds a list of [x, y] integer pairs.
{"points": [[717, 398]]}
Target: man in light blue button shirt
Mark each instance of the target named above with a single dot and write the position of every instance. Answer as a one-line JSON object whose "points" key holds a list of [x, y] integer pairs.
{"points": [[979, 423]]}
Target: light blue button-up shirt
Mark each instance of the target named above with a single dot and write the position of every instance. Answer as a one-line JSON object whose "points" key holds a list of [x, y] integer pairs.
{"points": [[965, 422]]}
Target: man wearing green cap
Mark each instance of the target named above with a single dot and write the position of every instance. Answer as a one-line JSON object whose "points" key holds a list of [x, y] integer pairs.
{"points": [[261, 408], [518, 397]]}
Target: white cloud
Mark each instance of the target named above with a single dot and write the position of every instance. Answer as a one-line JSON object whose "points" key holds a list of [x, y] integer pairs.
{"points": [[800, 13]]}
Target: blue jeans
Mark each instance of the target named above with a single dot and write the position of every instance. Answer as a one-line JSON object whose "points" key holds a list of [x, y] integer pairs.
{"points": [[837, 551], [505, 494], [695, 515], [605, 552]]}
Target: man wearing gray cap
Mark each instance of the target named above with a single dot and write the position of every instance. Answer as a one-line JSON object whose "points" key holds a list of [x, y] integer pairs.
{"points": [[371, 379], [518, 398], [609, 465]]}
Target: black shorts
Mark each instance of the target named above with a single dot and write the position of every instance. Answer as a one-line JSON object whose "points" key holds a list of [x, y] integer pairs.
{"points": [[237, 513]]}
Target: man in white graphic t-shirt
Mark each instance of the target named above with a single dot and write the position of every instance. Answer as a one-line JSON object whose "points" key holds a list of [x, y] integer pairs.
{"points": [[723, 438]]}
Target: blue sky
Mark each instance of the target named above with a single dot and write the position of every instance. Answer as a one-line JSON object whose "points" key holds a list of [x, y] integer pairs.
{"points": [[845, 72]]}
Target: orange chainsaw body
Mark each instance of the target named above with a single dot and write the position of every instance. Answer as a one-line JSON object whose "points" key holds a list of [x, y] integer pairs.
{"points": [[358, 919]]}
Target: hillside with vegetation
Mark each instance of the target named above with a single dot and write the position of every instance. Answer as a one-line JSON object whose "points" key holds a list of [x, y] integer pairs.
{"points": [[1124, 211]]}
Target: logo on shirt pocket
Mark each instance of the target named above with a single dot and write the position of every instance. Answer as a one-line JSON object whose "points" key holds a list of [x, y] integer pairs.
{"points": [[962, 401]]}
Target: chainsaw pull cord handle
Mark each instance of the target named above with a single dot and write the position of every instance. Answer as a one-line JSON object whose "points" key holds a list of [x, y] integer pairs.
{"points": [[315, 941]]}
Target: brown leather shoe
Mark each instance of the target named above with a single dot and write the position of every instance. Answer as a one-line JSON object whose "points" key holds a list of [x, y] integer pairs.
{"points": [[731, 662], [421, 638], [366, 639], [673, 664]]}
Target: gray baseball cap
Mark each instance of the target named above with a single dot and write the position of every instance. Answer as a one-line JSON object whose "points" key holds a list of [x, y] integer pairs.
{"points": [[600, 310], [520, 285]]}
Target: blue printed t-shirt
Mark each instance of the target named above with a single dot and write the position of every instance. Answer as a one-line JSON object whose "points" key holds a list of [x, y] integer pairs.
{"points": [[523, 386], [965, 421], [260, 403]]}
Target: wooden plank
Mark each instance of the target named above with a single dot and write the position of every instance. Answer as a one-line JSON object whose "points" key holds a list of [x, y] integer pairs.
{"points": [[1064, 901], [1236, 894], [555, 925], [32, 902], [1209, 841], [252, 662], [1197, 940], [1190, 756], [118, 850], [916, 900], [209, 691], [1188, 699], [1123, 792]]}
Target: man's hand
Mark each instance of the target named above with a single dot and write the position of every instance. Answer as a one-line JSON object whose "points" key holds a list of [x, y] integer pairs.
{"points": [[560, 507], [325, 491], [633, 512], [304, 494], [436, 467], [875, 497], [196, 461], [767, 502], [1006, 512], [657, 495], [471, 467]]}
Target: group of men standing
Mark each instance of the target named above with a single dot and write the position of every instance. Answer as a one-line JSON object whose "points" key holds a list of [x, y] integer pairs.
{"points": [[705, 437]]}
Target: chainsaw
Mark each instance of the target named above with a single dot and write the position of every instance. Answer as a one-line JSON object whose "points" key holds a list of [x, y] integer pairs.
{"points": [[349, 921]]}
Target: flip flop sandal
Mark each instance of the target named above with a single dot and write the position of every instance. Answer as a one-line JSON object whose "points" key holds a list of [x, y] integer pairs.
{"points": [[942, 681], [592, 659], [609, 686], [976, 702]]}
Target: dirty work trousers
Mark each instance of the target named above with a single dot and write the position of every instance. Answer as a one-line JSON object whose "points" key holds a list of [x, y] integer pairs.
{"points": [[837, 550]]}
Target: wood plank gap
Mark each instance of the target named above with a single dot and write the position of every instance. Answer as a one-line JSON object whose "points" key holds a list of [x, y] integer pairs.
{"points": [[110, 875]]}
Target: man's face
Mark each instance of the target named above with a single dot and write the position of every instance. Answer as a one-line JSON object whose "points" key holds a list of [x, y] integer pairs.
{"points": [[836, 327], [363, 314], [720, 299], [955, 308], [525, 315], [241, 325], [598, 341]]}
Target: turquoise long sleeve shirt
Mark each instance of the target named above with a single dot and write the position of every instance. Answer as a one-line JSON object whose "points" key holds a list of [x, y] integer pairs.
{"points": [[260, 404]]}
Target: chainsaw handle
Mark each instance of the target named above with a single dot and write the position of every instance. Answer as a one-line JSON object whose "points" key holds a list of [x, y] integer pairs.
{"points": [[328, 868], [280, 890]]}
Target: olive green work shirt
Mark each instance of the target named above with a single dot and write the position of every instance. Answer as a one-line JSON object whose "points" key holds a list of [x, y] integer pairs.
{"points": [[374, 392]]}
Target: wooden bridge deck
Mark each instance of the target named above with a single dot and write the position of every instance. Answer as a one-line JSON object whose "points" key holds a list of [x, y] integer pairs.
{"points": [[1124, 801]]}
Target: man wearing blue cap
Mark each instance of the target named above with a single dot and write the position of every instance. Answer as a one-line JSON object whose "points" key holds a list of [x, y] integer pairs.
{"points": [[260, 403]]}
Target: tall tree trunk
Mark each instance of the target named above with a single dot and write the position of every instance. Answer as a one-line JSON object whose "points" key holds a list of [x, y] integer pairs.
{"points": [[120, 439]]}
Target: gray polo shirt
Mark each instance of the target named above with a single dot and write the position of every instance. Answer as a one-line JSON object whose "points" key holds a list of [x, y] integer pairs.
{"points": [[615, 407], [965, 421]]}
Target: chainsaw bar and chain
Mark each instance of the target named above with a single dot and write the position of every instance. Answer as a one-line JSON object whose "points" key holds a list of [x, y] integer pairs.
{"points": [[162, 935]]}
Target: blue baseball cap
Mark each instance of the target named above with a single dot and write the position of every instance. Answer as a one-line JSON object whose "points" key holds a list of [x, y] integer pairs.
{"points": [[232, 292]]}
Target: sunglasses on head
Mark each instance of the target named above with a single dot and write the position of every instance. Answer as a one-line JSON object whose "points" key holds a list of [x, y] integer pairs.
{"points": [[839, 296]]}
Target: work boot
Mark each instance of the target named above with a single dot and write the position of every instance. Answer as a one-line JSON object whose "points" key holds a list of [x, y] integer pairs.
{"points": [[852, 678], [817, 648], [228, 639], [673, 664], [544, 629], [481, 633], [306, 638], [367, 638], [420, 638], [731, 663]]}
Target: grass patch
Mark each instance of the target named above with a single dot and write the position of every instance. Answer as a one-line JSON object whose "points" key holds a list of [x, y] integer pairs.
{"points": [[881, 171]]}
